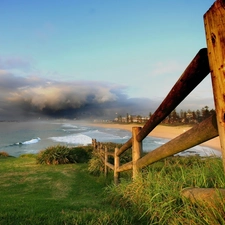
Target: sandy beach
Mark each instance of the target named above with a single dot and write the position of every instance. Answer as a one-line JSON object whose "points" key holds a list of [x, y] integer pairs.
{"points": [[161, 131]]}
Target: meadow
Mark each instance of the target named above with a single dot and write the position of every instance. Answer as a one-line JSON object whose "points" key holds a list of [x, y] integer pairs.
{"points": [[34, 193]]}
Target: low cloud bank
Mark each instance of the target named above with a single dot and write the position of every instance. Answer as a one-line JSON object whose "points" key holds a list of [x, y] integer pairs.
{"points": [[34, 97]]}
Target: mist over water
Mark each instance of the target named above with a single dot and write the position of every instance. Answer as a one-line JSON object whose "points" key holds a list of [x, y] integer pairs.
{"points": [[18, 138]]}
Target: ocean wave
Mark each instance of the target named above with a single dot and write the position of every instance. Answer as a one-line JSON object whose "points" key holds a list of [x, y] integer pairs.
{"points": [[159, 142], [29, 142], [200, 151], [126, 137], [105, 136], [69, 125], [79, 139], [72, 128], [69, 130]]}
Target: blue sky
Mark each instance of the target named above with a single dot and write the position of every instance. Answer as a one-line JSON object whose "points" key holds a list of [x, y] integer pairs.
{"points": [[138, 47]]}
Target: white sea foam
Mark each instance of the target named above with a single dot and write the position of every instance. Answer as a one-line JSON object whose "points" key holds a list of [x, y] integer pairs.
{"points": [[68, 125], [125, 137], [72, 128], [201, 151], [79, 139], [32, 141], [101, 136], [159, 142]]}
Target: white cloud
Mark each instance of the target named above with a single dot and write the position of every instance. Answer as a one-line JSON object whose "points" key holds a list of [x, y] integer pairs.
{"points": [[170, 67]]}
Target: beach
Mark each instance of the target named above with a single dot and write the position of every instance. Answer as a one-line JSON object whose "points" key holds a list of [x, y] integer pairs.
{"points": [[161, 131]]}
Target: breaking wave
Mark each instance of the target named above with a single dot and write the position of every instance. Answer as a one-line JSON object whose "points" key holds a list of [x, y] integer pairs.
{"points": [[29, 142]]}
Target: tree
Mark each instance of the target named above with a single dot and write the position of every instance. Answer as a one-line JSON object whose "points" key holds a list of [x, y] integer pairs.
{"points": [[185, 119], [198, 114], [194, 115], [139, 119], [205, 112], [174, 115], [181, 114], [212, 112]]}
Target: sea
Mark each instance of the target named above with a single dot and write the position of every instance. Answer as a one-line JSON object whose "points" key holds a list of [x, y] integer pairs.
{"points": [[17, 138]]}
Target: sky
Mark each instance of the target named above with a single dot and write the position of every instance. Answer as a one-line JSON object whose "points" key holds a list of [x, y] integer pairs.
{"points": [[74, 58]]}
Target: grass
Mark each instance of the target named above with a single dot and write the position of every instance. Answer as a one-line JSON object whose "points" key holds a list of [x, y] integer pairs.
{"points": [[32, 193], [39, 194], [155, 195]]}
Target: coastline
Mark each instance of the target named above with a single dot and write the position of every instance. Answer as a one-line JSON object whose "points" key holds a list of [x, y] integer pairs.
{"points": [[161, 131]]}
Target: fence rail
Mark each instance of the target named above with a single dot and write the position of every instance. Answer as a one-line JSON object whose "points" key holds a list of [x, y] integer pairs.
{"points": [[207, 60]]}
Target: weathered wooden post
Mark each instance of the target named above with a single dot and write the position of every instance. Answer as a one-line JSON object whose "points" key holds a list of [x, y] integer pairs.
{"points": [[94, 143], [106, 160], [136, 149], [116, 165], [98, 146], [214, 20]]}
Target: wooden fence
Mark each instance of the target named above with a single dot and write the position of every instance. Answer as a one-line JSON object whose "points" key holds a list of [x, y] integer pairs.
{"points": [[207, 60]]}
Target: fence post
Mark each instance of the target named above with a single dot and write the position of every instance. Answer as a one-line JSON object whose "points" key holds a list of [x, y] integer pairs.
{"points": [[98, 146], [106, 160], [116, 165], [136, 150], [214, 20], [94, 143]]}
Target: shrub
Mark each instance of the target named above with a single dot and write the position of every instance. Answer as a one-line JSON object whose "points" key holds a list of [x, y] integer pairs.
{"points": [[79, 154], [4, 154], [63, 155], [95, 164]]}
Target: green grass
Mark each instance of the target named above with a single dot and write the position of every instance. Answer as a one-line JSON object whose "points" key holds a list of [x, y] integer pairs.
{"points": [[32, 193], [155, 195], [56, 194]]}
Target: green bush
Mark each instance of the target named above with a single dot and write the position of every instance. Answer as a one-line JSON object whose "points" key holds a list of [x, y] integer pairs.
{"points": [[95, 164], [4, 154], [63, 155]]}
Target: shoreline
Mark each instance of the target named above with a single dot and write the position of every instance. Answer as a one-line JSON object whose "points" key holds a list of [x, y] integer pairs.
{"points": [[161, 131]]}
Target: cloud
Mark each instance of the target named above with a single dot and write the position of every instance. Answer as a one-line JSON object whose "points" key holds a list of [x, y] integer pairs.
{"points": [[14, 62], [32, 96], [58, 96], [170, 67]]}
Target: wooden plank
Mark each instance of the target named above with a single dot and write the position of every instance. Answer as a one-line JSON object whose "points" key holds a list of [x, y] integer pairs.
{"points": [[102, 151], [102, 158], [200, 133], [196, 71], [111, 153], [125, 167], [111, 166], [125, 146], [214, 20]]}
